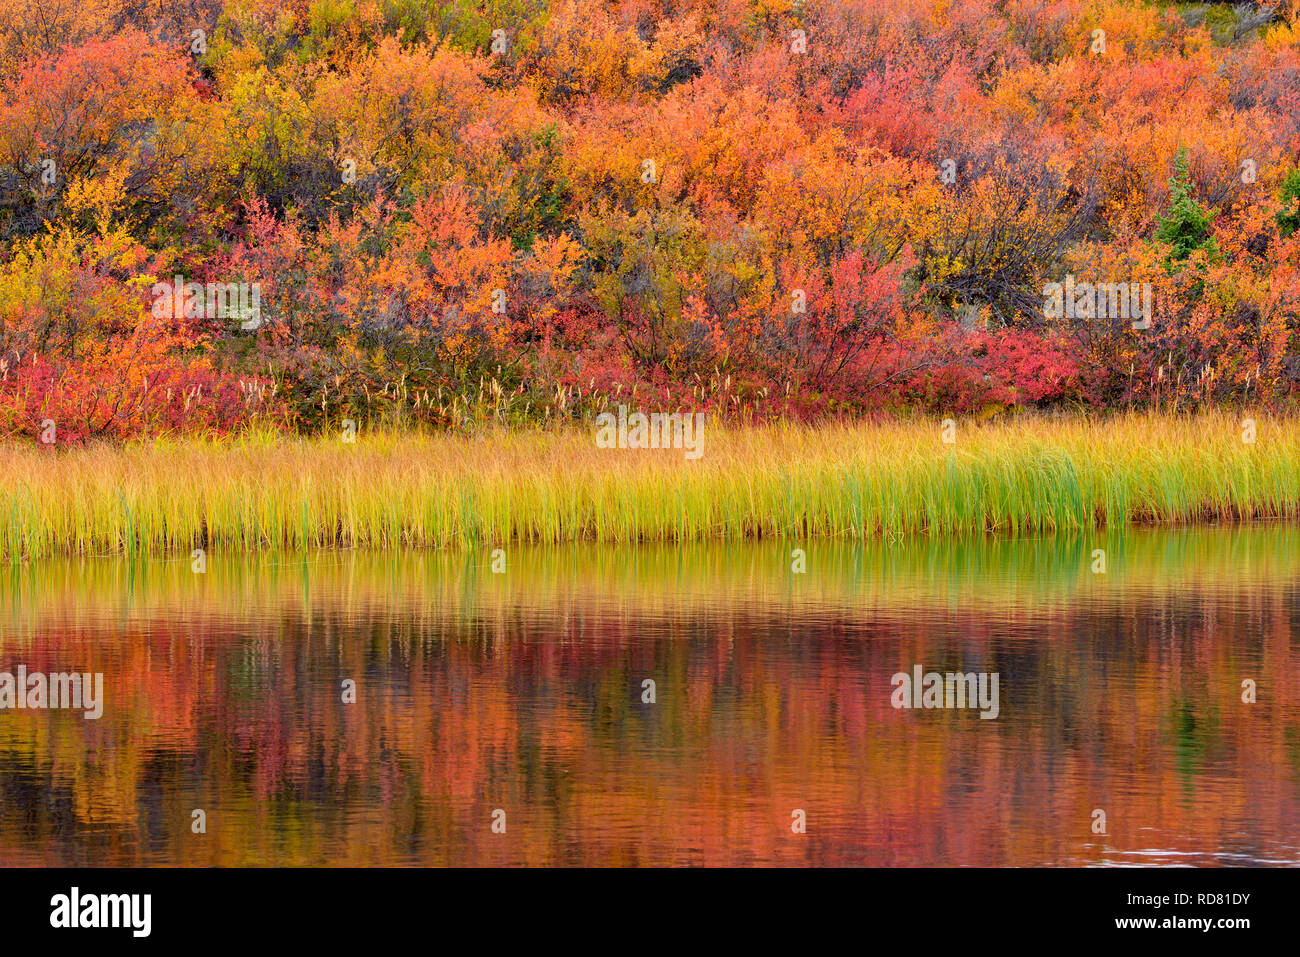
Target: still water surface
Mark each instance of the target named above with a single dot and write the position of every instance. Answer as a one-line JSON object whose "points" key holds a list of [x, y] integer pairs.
{"points": [[523, 692]]}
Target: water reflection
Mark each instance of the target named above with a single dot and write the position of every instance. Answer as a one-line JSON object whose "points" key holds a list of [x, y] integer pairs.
{"points": [[523, 692]]}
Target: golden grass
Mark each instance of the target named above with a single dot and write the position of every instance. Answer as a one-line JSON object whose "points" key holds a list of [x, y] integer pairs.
{"points": [[785, 481]]}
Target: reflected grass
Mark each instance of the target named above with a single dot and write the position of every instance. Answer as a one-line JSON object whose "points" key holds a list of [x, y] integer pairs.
{"points": [[974, 573]]}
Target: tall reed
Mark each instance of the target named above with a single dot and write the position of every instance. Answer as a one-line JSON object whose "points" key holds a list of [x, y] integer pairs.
{"points": [[783, 481]]}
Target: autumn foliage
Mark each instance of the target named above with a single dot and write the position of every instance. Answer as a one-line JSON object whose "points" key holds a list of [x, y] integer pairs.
{"points": [[527, 209]]}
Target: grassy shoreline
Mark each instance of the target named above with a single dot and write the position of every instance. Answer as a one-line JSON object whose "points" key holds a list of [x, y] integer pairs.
{"points": [[786, 482]]}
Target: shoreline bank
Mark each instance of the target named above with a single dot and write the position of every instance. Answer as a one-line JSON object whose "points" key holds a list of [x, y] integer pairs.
{"points": [[387, 490]]}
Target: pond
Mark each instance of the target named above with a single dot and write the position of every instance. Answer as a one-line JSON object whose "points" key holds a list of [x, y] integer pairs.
{"points": [[728, 704]]}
